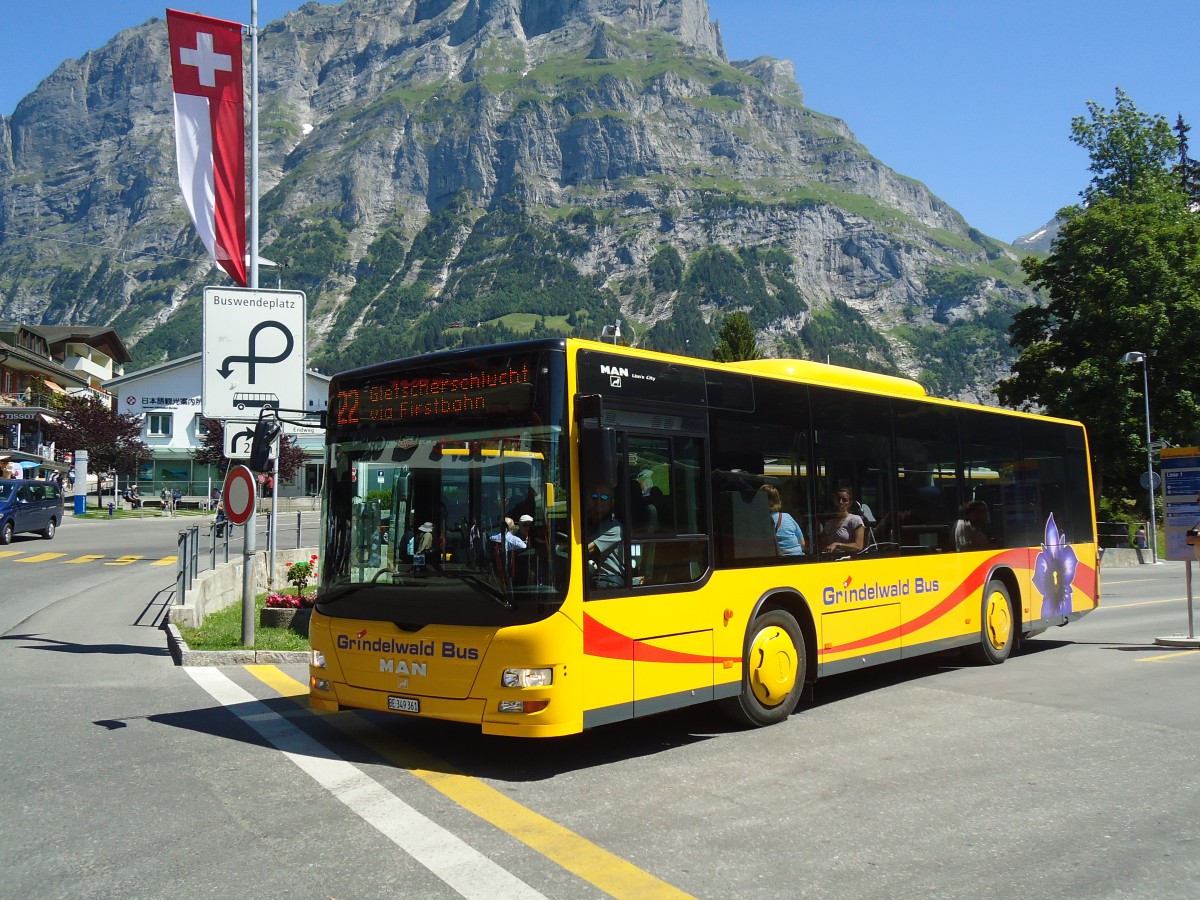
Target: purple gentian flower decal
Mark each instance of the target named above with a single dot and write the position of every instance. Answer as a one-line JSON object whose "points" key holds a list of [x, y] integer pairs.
{"points": [[1054, 571]]}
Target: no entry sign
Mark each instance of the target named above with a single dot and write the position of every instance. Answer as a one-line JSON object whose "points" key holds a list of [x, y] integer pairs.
{"points": [[240, 495]]}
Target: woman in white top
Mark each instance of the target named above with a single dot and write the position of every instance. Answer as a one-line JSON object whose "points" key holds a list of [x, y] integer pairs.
{"points": [[844, 531]]}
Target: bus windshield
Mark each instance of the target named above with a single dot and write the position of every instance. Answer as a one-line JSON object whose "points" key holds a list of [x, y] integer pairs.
{"points": [[459, 520]]}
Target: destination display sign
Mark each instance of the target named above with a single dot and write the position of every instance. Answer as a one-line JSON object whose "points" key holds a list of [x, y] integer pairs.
{"points": [[486, 389]]}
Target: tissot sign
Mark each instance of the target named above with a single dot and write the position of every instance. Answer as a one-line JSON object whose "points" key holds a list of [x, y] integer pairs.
{"points": [[254, 351]]}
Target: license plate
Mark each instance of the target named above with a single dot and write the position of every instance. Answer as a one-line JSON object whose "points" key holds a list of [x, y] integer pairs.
{"points": [[404, 704]]}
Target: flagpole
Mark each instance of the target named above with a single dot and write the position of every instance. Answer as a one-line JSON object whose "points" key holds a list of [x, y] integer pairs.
{"points": [[254, 144], [249, 548]]}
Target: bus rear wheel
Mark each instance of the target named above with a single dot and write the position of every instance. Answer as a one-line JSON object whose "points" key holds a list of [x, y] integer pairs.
{"points": [[998, 627], [774, 668]]}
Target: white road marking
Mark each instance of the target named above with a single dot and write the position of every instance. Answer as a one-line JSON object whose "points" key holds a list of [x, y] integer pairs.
{"points": [[447, 856]]}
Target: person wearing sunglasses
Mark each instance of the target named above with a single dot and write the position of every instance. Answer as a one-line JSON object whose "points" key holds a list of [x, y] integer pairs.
{"points": [[605, 541], [845, 531]]}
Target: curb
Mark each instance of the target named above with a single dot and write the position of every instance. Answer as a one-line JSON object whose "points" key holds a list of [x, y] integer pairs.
{"points": [[185, 656]]}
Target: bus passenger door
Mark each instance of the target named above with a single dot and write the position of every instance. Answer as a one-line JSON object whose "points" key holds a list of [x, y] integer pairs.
{"points": [[646, 541]]}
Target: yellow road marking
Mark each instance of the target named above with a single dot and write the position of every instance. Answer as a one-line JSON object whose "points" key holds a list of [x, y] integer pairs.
{"points": [[1175, 655], [87, 558], [606, 871]]}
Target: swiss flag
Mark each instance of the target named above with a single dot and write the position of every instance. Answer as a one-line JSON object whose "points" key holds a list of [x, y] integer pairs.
{"points": [[206, 69]]}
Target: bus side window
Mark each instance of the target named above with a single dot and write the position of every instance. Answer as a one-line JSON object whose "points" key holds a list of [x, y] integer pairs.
{"points": [[760, 480]]}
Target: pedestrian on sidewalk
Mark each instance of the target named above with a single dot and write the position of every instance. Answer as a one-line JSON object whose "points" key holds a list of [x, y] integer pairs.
{"points": [[1140, 543]]}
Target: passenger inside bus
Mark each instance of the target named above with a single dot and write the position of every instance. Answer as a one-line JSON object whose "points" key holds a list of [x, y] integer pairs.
{"points": [[788, 534], [844, 531], [508, 546], [968, 530]]}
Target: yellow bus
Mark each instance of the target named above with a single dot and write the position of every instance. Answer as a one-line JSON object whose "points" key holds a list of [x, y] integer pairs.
{"points": [[543, 537]]}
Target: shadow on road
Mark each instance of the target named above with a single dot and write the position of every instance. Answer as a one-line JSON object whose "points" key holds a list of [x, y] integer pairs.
{"points": [[42, 642]]}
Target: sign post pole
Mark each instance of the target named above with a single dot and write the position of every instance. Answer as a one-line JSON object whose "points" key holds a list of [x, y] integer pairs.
{"points": [[241, 498], [248, 550], [274, 512]]}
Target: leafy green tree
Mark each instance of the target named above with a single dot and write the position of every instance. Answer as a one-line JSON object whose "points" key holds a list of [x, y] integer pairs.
{"points": [[735, 340], [1123, 275], [1130, 151], [113, 441]]}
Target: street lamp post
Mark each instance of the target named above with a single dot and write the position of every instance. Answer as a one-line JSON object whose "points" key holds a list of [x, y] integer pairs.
{"points": [[1136, 356]]}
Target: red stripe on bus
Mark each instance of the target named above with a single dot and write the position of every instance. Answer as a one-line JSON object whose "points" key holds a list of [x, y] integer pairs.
{"points": [[1085, 581], [600, 640]]}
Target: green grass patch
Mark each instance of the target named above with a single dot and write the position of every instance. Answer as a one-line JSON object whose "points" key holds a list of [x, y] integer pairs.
{"points": [[524, 322], [101, 515], [222, 630], [715, 103]]}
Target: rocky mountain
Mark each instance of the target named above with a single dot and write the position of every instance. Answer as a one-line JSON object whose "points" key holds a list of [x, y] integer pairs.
{"points": [[446, 172], [1039, 240]]}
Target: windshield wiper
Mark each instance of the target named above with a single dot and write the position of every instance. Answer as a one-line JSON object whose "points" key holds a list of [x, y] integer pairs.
{"points": [[486, 588]]}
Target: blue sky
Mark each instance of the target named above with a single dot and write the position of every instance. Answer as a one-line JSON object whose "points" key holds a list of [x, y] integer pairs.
{"points": [[972, 97]]}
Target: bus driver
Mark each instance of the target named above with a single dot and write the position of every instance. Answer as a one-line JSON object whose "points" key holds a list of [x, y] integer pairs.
{"points": [[605, 547]]}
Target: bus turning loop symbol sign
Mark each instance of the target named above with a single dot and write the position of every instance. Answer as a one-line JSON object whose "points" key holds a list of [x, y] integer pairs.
{"points": [[240, 495]]}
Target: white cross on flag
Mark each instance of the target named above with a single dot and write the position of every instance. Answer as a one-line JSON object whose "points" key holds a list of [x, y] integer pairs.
{"points": [[206, 69]]}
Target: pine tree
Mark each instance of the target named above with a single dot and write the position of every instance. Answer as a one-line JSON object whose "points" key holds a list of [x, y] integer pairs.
{"points": [[735, 340]]}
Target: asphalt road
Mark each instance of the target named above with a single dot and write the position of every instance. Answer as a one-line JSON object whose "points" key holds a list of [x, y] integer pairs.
{"points": [[1068, 772]]}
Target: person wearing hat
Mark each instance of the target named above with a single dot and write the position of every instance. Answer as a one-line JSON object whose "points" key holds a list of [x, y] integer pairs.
{"points": [[424, 543], [509, 542], [516, 534]]}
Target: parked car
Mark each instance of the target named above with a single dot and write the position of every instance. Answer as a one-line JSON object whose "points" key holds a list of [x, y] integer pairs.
{"points": [[27, 505]]}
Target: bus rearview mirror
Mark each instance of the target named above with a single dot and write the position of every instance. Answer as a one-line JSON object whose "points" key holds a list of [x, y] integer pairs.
{"points": [[598, 456]]}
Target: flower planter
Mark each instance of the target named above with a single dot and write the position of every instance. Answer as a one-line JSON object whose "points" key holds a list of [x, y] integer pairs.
{"points": [[285, 617]]}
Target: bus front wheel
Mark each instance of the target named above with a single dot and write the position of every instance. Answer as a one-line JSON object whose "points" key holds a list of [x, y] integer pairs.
{"points": [[998, 627], [774, 671]]}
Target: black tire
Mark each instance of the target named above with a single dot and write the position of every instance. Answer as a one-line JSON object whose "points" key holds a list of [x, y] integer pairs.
{"points": [[48, 531], [998, 627], [6, 533], [773, 671]]}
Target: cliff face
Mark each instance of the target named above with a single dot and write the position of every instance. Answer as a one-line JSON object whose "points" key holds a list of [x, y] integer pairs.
{"points": [[414, 151]]}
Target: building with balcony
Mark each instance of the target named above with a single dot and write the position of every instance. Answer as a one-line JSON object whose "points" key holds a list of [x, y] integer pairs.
{"points": [[39, 363]]}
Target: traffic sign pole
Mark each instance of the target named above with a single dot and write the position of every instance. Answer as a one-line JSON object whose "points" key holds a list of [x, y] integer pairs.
{"points": [[248, 550], [274, 517], [241, 498]]}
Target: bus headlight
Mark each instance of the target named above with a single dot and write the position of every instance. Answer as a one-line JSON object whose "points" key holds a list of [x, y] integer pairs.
{"points": [[523, 678], [318, 659], [318, 684]]}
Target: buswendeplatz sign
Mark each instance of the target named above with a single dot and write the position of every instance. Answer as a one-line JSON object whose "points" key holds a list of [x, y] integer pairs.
{"points": [[254, 351]]}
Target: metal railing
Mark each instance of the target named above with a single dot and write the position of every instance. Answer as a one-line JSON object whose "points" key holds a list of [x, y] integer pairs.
{"points": [[187, 565], [298, 529]]}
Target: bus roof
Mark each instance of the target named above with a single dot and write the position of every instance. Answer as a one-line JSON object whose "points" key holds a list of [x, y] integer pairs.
{"points": [[825, 373], [789, 370]]}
